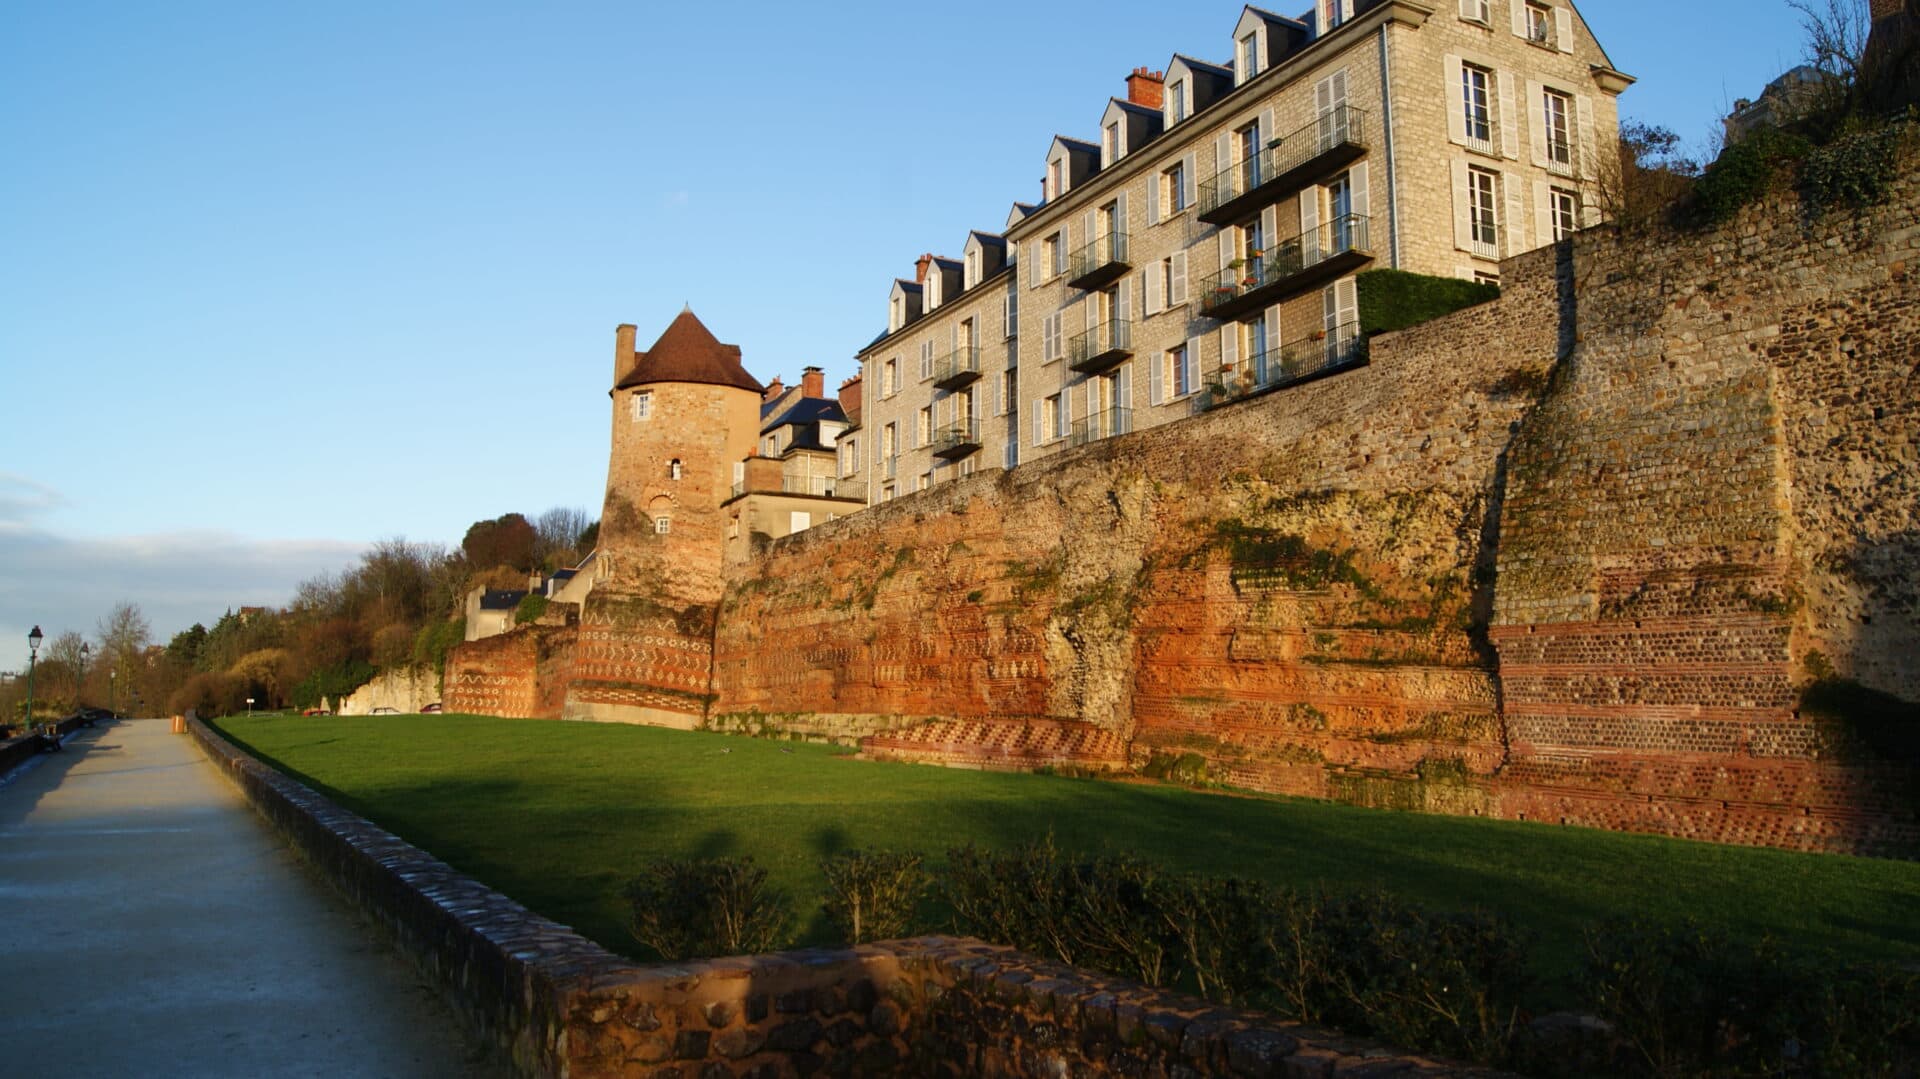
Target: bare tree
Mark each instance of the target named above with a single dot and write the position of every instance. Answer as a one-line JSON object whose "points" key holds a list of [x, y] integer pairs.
{"points": [[557, 536], [1835, 45]]}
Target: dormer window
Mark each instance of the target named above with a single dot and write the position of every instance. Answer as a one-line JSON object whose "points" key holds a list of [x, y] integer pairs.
{"points": [[1056, 178], [897, 315], [1111, 147], [972, 271], [1250, 56], [933, 288], [1334, 12], [1176, 102]]}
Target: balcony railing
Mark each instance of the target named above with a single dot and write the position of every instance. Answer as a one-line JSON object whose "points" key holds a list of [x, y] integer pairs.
{"points": [[1324, 352], [1338, 137], [1114, 421], [957, 368], [1101, 262], [1290, 267], [806, 486], [957, 439], [1103, 346]]}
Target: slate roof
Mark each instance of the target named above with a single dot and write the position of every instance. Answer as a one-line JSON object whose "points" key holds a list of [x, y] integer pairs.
{"points": [[688, 352], [808, 410], [494, 599]]}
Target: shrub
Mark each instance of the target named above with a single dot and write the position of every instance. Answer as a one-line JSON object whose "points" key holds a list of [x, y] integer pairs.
{"points": [[1372, 964], [1187, 768], [1396, 299], [1116, 917], [1222, 928], [530, 609], [1855, 169], [873, 895], [694, 909], [1742, 174], [436, 639], [1018, 897], [332, 682]]}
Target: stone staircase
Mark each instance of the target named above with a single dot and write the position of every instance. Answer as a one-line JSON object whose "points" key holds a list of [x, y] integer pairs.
{"points": [[1001, 744]]}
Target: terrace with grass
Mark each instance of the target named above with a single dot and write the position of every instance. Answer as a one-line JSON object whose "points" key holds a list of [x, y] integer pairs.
{"points": [[561, 815]]}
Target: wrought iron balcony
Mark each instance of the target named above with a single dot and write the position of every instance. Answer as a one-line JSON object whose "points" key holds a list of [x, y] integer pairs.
{"points": [[957, 439], [1336, 139], [1101, 262], [1325, 352], [1291, 267], [1114, 421], [957, 368], [1101, 347]]}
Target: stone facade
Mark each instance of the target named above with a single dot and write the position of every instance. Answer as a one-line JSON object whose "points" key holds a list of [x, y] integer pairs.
{"points": [[403, 689], [1211, 236]]}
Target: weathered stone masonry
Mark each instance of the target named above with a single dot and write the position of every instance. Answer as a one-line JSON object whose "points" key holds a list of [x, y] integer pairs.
{"points": [[1568, 556]]}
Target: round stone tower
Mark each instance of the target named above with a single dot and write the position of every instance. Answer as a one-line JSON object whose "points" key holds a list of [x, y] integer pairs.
{"points": [[684, 413]]}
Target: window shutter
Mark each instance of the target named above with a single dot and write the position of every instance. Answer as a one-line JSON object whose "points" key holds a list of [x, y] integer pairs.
{"points": [[1035, 250], [1338, 84], [1267, 133], [1121, 222], [1346, 292], [1323, 96], [1155, 378], [1123, 387], [1357, 178], [1226, 248], [1519, 9], [1537, 122], [1189, 166], [1456, 103], [1270, 229], [1091, 310], [1543, 210], [1193, 364], [1177, 280], [1516, 213], [1123, 301], [953, 339], [1151, 293], [1330, 308], [1273, 334], [1090, 223], [1153, 198], [1310, 224], [1229, 345], [1509, 131], [1563, 28], [1583, 114], [1222, 155], [1462, 208]]}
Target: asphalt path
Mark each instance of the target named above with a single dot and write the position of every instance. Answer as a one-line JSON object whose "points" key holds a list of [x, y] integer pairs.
{"points": [[151, 924]]}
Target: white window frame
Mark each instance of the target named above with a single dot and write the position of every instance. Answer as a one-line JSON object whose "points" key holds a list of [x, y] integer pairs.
{"points": [[1477, 115], [1538, 24], [1248, 54], [1563, 208], [662, 525], [1559, 154], [1483, 210], [1173, 190], [1176, 102], [642, 406], [890, 377]]}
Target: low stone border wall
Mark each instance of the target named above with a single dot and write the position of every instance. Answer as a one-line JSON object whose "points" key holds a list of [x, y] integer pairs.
{"points": [[562, 1006], [16, 752]]}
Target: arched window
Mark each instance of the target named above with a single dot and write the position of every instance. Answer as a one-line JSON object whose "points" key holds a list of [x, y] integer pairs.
{"points": [[674, 469]]}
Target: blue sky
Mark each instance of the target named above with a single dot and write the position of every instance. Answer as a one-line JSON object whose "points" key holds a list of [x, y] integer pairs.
{"points": [[280, 280]]}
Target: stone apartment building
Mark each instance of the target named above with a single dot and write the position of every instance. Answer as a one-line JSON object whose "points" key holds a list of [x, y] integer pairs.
{"points": [[1206, 246]]}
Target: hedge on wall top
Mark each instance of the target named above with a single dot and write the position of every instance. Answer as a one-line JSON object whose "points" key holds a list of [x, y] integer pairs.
{"points": [[1396, 299]]}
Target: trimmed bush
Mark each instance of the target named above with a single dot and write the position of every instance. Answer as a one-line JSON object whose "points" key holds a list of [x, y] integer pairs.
{"points": [[697, 909], [1396, 299], [873, 895]]}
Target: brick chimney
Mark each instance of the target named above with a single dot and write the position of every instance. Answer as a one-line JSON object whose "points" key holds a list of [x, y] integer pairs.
{"points": [[623, 355], [1147, 88], [773, 390], [920, 269], [813, 383], [850, 399]]}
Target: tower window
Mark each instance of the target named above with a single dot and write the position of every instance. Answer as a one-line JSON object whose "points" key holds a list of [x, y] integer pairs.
{"points": [[643, 406], [673, 470], [662, 525]]}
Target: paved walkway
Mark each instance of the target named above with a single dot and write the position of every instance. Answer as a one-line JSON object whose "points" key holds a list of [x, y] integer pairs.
{"points": [[151, 924]]}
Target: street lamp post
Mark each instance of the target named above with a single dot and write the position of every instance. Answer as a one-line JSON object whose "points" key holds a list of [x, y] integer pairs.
{"points": [[80, 687], [33, 655], [249, 707], [113, 675]]}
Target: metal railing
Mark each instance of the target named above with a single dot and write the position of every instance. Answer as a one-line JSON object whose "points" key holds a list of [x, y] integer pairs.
{"points": [[1323, 351], [956, 437], [1106, 250], [1114, 421], [1113, 336], [1342, 126], [816, 486], [1283, 260], [962, 363]]}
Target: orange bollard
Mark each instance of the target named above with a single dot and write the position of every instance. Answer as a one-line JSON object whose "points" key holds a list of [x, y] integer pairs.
{"points": [[179, 724]]}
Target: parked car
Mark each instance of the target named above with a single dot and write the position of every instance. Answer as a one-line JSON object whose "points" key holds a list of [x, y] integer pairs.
{"points": [[385, 712], [316, 712], [430, 708]]}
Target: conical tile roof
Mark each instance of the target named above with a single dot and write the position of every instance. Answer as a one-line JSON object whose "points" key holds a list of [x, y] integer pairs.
{"points": [[688, 352]]}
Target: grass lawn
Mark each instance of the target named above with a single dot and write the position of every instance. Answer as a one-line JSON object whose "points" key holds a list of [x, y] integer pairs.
{"points": [[558, 815]]}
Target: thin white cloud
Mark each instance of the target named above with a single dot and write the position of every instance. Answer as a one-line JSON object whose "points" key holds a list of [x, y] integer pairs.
{"points": [[177, 579], [23, 500]]}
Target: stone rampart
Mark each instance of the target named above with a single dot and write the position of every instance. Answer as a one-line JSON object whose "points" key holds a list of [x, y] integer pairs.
{"points": [[559, 1005], [403, 689]]}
